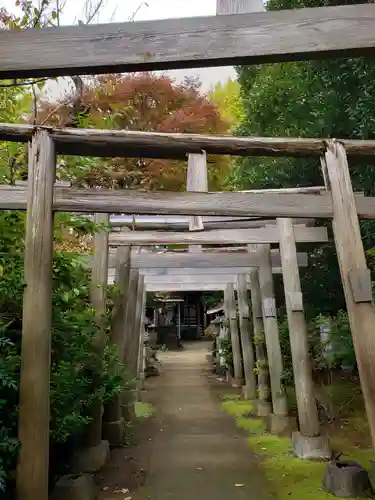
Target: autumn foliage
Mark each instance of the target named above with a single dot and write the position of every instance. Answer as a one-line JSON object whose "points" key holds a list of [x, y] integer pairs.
{"points": [[142, 101]]}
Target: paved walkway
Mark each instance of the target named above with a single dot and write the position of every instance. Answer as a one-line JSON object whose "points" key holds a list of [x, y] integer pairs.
{"points": [[195, 452]]}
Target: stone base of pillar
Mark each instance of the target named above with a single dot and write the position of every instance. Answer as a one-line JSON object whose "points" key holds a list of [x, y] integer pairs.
{"points": [[248, 393], [128, 411], [90, 459], [311, 448], [114, 432], [281, 425], [263, 408], [77, 487], [236, 382], [128, 400], [138, 391]]}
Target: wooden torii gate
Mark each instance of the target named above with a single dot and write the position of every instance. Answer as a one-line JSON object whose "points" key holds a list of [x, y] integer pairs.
{"points": [[249, 38], [43, 198], [189, 263]]}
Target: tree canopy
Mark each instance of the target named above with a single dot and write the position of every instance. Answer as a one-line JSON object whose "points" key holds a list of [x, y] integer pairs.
{"points": [[324, 98], [227, 98], [141, 101]]}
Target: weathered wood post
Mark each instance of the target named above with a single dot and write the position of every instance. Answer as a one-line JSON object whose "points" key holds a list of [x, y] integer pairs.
{"points": [[130, 317], [250, 387], [197, 181], [96, 451], [113, 421], [238, 7], [137, 341], [34, 412], [224, 330], [129, 346], [142, 347], [307, 443], [234, 335], [179, 320], [264, 406], [355, 275], [279, 421]]}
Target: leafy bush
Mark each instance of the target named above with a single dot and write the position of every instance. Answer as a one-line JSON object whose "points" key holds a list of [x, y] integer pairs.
{"points": [[340, 352], [78, 374], [225, 349], [341, 349], [210, 333]]}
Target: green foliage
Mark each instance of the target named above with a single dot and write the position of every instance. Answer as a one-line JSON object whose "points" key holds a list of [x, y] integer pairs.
{"points": [[325, 98], [225, 349], [210, 299], [341, 348], [141, 101], [17, 96], [340, 343], [227, 99], [78, 373]]}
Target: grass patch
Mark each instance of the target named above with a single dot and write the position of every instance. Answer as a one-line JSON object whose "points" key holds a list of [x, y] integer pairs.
{"points": [[289, 477], [143, 410], [237, 407]]}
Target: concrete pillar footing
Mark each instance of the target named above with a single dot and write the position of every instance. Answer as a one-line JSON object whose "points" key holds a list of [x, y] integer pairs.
{"points": [[248, 393], [281, 425], [311, 447], [263, 408], [236, 382], [114, 432], [90, 459]]}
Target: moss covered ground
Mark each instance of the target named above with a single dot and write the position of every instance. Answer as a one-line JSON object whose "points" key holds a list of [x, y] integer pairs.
{"points": [[143, 410], [290, 477]]}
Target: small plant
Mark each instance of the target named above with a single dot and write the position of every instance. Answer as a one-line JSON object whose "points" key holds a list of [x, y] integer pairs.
{"points": [[210, 333]]}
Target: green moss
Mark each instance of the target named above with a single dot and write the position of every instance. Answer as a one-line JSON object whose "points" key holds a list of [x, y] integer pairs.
{"points": [[296, 479], [289, 477], [237, 407], [143, 410], [271, 446], [252, 425]]}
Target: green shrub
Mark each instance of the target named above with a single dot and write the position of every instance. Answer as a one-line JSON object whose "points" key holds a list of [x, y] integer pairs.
{"points": [[225, 348], [341, 352], [78, 374]]}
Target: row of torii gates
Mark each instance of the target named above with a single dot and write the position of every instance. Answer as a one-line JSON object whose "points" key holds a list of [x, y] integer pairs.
{"points": [[252, 37]]}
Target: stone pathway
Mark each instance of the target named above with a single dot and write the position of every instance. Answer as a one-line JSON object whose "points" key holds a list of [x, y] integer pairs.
{"points": [[194, 450]]}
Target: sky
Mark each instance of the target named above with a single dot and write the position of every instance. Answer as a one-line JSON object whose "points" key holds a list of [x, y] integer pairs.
{"points": [[123, 10]]}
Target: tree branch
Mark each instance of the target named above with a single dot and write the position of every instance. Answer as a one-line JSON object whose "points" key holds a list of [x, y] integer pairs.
{"points": [[91, 11], [23, 84]]}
